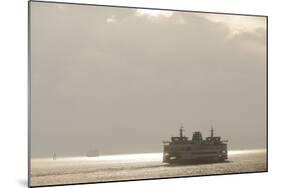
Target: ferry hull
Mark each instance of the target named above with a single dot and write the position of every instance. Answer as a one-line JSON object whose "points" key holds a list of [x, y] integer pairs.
{"points": [[196, 160]]}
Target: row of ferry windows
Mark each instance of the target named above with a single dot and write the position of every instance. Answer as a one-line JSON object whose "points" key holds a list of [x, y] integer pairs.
{"points": [[206, 152], [188, 148]]}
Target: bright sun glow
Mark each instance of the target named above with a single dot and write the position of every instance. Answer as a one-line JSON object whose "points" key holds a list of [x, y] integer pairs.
{"points": [[132, 157], [237, 152], [111, 19], [153, 13], [238, 24]]}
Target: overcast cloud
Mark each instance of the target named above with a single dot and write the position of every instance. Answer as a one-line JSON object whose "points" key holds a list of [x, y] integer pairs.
{"points": [[123, 80]]}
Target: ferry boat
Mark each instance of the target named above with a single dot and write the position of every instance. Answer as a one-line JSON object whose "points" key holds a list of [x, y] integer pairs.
{"points": [[180, 149]]}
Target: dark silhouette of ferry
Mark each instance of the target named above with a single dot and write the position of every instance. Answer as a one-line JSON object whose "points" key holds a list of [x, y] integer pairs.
{"points": [[197, 150]]}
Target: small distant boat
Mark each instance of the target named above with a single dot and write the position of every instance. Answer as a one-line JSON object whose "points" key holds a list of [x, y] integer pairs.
{"points": [[92, 153], [54, 156]]}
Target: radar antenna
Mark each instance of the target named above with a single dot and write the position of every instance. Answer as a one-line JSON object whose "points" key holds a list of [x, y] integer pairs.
{"points": [[212, 131], [181, 131]]}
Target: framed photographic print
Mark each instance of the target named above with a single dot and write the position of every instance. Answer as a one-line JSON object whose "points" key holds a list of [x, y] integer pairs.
{"points": [[130, 93]]}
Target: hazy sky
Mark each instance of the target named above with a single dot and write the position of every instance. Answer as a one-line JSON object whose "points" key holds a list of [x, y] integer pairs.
{"points": [[123, 80]]}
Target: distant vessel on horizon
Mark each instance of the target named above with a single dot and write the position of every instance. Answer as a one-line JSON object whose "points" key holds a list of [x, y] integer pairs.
{"points": [[93, 153], [180, 149]]}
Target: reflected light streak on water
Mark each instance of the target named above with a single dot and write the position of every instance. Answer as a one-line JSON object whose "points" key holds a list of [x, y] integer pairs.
{"points": [[46, 171]]}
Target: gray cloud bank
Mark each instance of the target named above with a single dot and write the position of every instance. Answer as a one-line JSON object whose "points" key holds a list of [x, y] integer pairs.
{"points": [[110, 79]]}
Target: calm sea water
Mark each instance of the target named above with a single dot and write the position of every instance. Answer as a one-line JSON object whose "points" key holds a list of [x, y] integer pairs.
{"points": [[135, 166]]}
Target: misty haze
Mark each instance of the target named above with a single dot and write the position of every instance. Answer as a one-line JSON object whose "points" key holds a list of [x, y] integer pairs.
{"points": [[111, 82]]}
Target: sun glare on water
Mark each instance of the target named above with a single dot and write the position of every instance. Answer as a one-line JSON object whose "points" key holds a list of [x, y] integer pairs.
{"points": [[237, 152], [140, 157], [132, 157]]}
